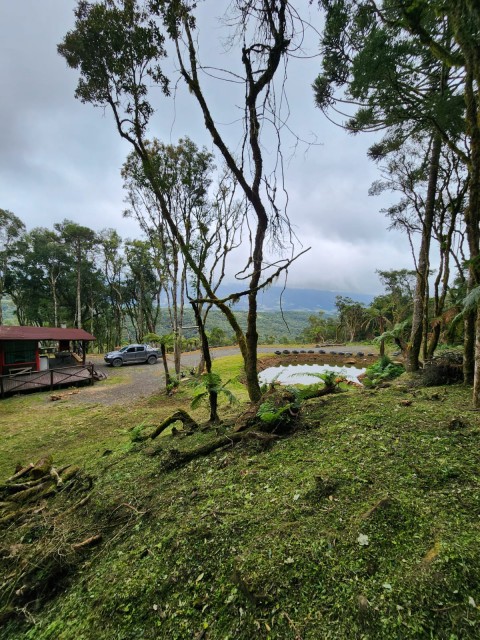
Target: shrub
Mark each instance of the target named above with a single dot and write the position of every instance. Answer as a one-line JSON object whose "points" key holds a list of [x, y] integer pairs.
{"points": [[383, 369]]}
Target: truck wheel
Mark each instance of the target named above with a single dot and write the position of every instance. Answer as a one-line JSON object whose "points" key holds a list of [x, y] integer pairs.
{"points": [[117, 362], [152, 359]]}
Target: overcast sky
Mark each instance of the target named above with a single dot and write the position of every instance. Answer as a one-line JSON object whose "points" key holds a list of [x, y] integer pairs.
{"points": [[61, 159]]}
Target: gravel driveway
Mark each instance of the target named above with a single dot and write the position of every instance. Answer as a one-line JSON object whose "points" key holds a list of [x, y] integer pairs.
{"points": [[133, 382]]}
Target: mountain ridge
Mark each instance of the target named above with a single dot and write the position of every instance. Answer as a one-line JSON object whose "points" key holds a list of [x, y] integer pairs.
{"points": [[277, 299]]}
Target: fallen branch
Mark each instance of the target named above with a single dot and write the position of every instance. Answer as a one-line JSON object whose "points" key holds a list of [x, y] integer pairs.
{"points": [[88, 542], [56, 477], [43, 490], [128, 506], [9, 489], [179, 458], [179, 416], [16, 515], [77, 505], [21, 472], [70, 472]]}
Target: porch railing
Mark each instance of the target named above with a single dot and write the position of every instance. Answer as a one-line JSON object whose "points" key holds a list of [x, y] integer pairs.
{"points": [[49, 379]]}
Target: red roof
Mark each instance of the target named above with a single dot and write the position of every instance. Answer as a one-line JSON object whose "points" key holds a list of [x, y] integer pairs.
{"points": [[43, 333]]}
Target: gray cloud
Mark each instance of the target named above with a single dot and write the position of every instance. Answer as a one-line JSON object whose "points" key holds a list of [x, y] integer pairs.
{"points": [[61, 159]]}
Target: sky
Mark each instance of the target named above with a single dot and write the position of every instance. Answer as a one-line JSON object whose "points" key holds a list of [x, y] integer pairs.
{"points": [[61, 159]]}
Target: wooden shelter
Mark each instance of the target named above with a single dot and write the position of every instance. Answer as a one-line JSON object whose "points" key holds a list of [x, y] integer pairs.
{"points": [[29, 361]]}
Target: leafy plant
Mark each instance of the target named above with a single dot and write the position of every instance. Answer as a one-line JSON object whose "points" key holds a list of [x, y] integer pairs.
{"points": [[135, 433], [383, 369], [329, 380], [212, 382], [173, 383], [272, 415], [275, 415]]}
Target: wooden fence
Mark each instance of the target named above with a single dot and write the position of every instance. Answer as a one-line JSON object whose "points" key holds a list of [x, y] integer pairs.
{"points": [[42, 380]]}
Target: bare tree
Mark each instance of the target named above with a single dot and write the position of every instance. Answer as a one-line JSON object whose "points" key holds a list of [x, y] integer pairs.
{"points": [[117, 46]]}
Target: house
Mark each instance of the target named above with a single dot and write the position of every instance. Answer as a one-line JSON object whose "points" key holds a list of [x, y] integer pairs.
{"points": [[27, 363]]}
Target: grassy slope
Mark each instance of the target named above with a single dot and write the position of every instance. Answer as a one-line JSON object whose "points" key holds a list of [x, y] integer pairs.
{"points": [[290, 541]]}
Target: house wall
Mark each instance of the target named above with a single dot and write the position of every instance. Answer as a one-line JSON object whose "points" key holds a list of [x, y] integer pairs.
{"points": [[18, 354]]}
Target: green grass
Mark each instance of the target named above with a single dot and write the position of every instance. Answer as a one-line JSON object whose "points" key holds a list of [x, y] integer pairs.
{"points": [[362, 524]]}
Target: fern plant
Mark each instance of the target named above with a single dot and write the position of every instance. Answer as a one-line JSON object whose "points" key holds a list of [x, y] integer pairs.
{"points": [[212, 388], [383, 369]]}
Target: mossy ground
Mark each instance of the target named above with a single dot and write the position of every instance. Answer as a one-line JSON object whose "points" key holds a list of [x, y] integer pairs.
{"points": [[364, 523]]}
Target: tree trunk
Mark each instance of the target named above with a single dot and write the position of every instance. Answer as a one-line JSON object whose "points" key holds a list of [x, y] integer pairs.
{"points": [[55, 300], [212, 394], [469, 348], [443, 278], [476, 380], [79, 286], [470, 50], [382, 348], [420, 299], [163, 351]]}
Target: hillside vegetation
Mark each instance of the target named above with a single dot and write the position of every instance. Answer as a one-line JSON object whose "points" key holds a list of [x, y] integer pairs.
{"points": [[362, 523]]}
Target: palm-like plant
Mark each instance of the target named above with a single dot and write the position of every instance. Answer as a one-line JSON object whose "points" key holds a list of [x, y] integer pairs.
{"points": [[377, 319], [213, 387]]}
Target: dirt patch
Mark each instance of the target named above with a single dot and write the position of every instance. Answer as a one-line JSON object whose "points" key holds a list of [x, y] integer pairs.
{"points": [[283, 360]]}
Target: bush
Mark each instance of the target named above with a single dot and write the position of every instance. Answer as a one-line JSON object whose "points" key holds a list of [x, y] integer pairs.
{"points": [[446, 368], [383, 369]]}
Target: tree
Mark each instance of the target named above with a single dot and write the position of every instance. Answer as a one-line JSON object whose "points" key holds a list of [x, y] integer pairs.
{"points": [[321, 328], [432, 214], [378, 318], [45, 255], [142, 288], [80, 240], [184, 171], [352, 316], [463, 16], [117, 46], [397, 85], [399, 285], [113, 265], [217, 337], [11, 228]]}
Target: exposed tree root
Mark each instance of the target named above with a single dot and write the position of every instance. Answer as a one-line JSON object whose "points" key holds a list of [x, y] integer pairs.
{"points": [[179, 416], [285, 408], [178, 458]]}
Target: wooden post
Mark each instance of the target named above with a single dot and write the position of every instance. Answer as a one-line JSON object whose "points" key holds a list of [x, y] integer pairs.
{"points": [[51, 379]]}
